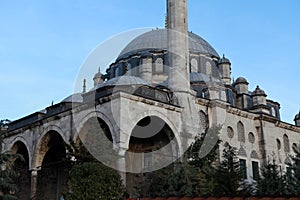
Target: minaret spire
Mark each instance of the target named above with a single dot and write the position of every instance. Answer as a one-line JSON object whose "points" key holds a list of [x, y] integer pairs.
{"points": [[179, 76], [166, 22], [84, 86]]}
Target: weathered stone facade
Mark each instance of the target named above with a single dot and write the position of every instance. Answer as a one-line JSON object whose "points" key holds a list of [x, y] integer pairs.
{"points": [[166, 76]]}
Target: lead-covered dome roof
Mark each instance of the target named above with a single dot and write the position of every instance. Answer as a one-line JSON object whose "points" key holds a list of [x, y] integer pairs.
{"points": [[297, 116], [123, 81], [157, 40]]}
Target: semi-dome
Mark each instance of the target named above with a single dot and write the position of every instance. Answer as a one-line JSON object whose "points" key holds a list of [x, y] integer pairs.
{"points": [[157, 40], [74, 98], [123, 80]]}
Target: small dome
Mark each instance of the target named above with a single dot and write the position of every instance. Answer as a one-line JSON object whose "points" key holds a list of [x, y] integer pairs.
{"points": [[241, 80], [224, 60], [123, 80], [74, 98], [98, 74], [297, 117], [258, 92]]}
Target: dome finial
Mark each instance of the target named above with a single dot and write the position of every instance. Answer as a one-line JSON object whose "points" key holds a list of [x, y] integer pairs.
{"points": [[84, 86], [99, 69]]}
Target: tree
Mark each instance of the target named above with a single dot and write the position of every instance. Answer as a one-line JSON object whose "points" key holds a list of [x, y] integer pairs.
{"points": [[293, 173], [90, 179], [193, 175], [272, 181], [228, 176], [94, 181], [203, 156], [175, 180], [8, 187]]}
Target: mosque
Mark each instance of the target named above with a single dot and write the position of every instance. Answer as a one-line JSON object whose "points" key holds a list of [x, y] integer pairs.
{"points": [[165, 87]]}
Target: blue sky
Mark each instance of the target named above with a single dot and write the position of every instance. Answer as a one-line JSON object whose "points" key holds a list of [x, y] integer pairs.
{"points": [[44, 43]]}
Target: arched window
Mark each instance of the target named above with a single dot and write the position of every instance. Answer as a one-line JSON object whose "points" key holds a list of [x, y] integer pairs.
{"points": [[242, 152], [278, 144], [205, 93], [159, 65], [208, 68], [230, 132], [194, 65], [273, 112], [117, 72], [254, 155], [286, 143], [241, 132], [128, 70], [251, 137], [295, 147], [203, 121]]}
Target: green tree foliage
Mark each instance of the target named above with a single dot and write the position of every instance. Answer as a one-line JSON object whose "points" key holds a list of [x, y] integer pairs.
{"points": [[175, 180], [94, 181], [272, 181], [90, 179], [193, 175], [228, 177], [8, 187], [293, 173], [202, 155]]}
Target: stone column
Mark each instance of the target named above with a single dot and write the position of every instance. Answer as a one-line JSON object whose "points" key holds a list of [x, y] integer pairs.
{"points": [[33, 190], [121, 164]]}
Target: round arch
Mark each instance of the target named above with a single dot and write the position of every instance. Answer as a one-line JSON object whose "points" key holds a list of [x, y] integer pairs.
{"points": [[49, 155], [22, 166], [24, 142], [164, 118], [55, 129], [95, 114], [41, 146]]}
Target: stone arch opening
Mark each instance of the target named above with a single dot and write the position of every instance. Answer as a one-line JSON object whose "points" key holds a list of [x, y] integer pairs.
{"points": [[51, 179], [152, 146], [93, 127], [97, 139], [94, 118], [21, 166]]}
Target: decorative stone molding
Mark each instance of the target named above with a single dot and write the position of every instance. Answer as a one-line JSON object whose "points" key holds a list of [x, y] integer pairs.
{"points": [[241, 113], [287, 126]]}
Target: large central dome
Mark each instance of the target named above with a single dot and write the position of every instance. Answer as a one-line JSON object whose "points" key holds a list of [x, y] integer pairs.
{"points": [[157, 40]]}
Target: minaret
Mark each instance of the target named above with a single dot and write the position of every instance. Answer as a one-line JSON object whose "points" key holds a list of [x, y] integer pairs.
{"points": [[179, 76], [179, 73]]}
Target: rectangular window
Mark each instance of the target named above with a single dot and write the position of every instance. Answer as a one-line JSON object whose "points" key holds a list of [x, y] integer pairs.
{"points": [[243, 169], [255, 170]]}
